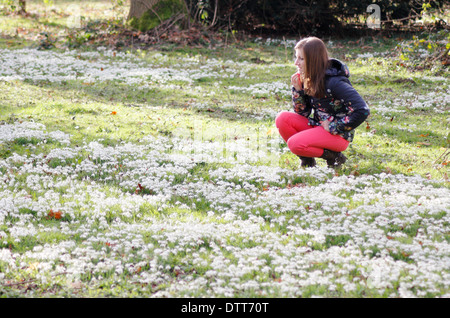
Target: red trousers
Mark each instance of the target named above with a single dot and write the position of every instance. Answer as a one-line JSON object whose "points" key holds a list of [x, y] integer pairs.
{"points": [[304, 140]]}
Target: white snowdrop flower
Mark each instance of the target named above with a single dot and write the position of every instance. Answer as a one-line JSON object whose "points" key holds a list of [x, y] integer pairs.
{"points": [[365, 55], [65, 153], [241, 243]]}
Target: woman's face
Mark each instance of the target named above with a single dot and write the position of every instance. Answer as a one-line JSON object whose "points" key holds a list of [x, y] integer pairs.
{"points": [[299, 61]]}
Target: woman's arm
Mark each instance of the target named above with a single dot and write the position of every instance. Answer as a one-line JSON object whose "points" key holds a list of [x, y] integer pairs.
{"points": [[300, 100], [357, 109]]}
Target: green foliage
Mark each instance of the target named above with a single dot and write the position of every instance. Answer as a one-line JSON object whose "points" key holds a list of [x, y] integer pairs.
{"points": [[338, 240], [47, 41], [426, 50]]}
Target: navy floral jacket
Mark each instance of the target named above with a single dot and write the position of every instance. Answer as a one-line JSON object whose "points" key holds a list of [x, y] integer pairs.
{"points": [[342, 105]]}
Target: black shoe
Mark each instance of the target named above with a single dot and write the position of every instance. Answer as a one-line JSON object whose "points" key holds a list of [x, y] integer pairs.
{"points": [[307, 161], [334, 159]]}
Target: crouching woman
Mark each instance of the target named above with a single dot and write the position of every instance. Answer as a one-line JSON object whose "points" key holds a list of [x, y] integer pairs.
{"points": [[327, 109]]}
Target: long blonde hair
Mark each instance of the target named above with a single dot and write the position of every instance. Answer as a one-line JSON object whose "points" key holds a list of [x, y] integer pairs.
{"points": [[316, 59]]}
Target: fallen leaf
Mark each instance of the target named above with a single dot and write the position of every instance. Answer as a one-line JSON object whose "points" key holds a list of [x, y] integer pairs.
{"points": [[56, 215], [76, 285], [33, 266]]}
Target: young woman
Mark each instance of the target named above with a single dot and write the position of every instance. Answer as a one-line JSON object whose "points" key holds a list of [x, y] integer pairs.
{"points": [[320, 86]]}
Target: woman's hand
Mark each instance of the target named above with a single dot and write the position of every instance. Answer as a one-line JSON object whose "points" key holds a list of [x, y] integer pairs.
{"points": [[326, 125], [296, 81]]}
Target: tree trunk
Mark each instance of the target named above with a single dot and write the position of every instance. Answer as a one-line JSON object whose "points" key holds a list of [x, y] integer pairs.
{"points": [[139, 7], [22, 5]]}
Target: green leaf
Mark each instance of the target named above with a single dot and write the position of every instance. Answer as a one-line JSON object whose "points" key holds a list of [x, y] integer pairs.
{"points": [[403, 57]]}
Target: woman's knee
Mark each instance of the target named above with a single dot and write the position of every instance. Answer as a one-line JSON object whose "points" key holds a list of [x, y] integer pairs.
{"points": [[296, 145], [282, 118]]}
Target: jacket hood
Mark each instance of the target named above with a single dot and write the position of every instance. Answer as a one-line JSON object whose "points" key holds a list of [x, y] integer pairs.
{"points": [[337, 68]]}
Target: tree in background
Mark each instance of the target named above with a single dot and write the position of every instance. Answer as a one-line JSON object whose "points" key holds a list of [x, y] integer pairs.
{"points": [[146, 15], [22, 6], [139, 7]]}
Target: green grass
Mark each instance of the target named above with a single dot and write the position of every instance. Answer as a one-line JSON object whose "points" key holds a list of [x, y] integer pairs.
{"points": [[395, 141], [146, 217]]}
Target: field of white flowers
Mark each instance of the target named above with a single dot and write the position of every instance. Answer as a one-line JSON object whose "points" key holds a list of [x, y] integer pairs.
{"points": [[181, 215]]}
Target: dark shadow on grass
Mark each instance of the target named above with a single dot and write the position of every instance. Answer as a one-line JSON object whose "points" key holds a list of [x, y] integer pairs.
{"points": [[414, 137], [119, 93]]}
